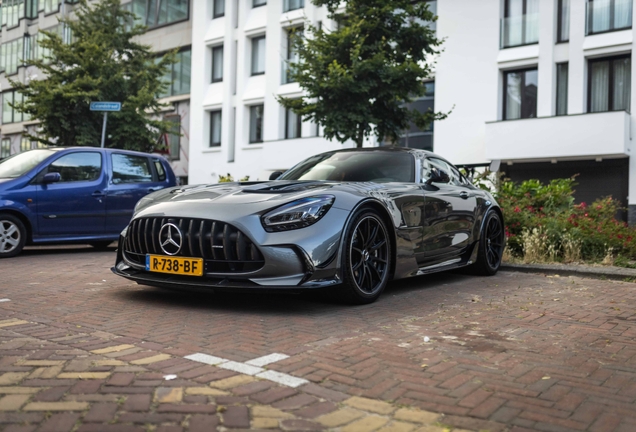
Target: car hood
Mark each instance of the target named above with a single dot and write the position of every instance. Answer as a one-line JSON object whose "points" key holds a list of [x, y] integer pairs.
{"points": [[237, 198]]}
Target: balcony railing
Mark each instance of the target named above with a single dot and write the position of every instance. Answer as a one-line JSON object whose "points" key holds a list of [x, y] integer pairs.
{"points": [[520, 30], [608, 15]]}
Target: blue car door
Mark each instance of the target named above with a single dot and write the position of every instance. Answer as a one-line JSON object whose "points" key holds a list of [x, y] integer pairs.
{"points": [[73, 206], [132, 178]]}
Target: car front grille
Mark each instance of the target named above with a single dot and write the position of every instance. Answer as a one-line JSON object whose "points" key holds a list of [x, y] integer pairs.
{"points": [[223, 248]]}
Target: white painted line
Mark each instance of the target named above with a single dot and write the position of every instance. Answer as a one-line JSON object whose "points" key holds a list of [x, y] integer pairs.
{"points": [[207, 359], [282, 378], [268, 359], [4, 300], [241, 367]]}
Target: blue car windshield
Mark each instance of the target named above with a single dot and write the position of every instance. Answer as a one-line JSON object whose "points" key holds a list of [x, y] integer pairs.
{"points": [[356, 166], [20, 164]]}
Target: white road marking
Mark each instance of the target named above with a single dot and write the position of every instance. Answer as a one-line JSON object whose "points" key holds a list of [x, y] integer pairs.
{"points": [[282, 378], [207, 359], [241, 367], [265, 360], [4, 300]]}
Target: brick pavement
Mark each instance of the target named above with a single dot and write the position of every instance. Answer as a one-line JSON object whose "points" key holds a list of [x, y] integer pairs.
{"points": [[514, 352]]}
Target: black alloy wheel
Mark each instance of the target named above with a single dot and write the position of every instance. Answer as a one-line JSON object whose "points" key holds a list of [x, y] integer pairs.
{"points": [[491, 245], [367, 260]]}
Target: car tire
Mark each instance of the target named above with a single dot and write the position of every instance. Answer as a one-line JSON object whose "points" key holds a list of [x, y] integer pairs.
{"points": [[366, 261], [13, 235], [101, 245], [491, 246]]}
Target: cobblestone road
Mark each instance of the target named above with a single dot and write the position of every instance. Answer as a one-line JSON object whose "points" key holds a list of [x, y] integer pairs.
{"points": [[513, 352]]}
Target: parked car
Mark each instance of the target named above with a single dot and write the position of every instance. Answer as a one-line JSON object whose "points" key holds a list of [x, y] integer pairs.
{"points": [[73, 195], [351, 219]]}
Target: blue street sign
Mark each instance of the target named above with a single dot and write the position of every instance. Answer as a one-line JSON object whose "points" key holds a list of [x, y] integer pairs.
{"points": [[105, 106]]}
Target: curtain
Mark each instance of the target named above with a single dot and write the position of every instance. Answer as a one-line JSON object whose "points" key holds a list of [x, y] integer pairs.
{"points": [[599, 15], [600, 85], [532, 21], [562, 89], [622, 13], [513, 96], [622, 76]]}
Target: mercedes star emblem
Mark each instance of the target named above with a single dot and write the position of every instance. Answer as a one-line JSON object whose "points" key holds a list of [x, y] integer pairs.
{"points": [[170, 239]]}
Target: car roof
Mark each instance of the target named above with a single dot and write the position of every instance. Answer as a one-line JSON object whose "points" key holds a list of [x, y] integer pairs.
{"points": [[107, 150]]}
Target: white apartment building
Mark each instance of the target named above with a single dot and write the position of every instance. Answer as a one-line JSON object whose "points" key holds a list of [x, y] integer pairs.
{"points": [[169, 28], [545, 86]]}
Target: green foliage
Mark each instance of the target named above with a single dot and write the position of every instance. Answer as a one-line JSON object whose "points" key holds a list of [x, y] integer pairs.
{"points": [[229, 179], [102, 62], [550, 210], [359, 78]]}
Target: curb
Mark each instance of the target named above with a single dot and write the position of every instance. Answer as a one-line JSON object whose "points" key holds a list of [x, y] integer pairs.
{"points": [[594, 272]]}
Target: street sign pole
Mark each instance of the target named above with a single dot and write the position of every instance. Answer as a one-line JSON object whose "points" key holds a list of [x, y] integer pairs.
{"points": [[104, 128], [105, 107]]}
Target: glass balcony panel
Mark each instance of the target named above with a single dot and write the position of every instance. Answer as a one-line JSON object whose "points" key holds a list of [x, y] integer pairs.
{"points": [[520, 30]]}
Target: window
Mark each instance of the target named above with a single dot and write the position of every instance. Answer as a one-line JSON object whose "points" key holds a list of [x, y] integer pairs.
{"points": [[608, 15], [414, 137], [215, 128], [11, 55], [50, 6], [80, 166], [178, 75], [453, 174], [256, 124], [25, 144], [257, 3], [563, 32], [31, 9], [42, 53], [609, 85], [432, 6], [219, 8], [154, 13], [217, 64], [130, 169], [520, 94], [293, 124], [12, 12], [520, 25], [5, 148], [289, 5], [173, 137], [292, 54], [10, 114], [258, 55], [562, 89], [161, 172]]}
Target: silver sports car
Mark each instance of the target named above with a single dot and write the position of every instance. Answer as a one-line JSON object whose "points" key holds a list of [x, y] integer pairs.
{"points": [[351, 220]]}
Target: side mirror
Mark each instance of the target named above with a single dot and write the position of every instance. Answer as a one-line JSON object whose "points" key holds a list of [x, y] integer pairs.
{"points": [[275, 175], [53, 177], [438, 176]]}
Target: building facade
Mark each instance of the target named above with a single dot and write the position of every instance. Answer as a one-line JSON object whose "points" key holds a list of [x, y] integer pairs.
{"points": [[169, 28]]}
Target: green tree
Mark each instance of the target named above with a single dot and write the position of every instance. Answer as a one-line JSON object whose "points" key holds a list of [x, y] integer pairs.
{"points": [[359, 78], [101, 62]]}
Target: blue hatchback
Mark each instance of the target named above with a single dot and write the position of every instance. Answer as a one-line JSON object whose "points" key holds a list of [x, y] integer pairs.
{"points": [[73, 195]]}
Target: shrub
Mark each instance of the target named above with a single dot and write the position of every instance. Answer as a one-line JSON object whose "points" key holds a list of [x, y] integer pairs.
{"points": [[229, 179], [544, 224]]}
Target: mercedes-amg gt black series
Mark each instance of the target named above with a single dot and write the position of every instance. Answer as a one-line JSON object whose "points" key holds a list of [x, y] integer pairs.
{"points": [[351, 220]]}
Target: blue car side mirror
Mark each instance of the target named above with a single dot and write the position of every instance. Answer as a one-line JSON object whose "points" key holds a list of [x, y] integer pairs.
{"points": [[53, 177]]}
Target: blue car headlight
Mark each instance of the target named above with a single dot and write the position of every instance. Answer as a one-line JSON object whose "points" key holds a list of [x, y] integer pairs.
{"points": [[297, 214]]}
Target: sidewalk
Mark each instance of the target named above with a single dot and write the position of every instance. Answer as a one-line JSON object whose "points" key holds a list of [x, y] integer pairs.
{"points": [[581, 270], [56, 378]]}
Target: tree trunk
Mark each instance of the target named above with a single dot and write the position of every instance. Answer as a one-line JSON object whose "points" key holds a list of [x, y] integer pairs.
{"points": [[360, 137]]}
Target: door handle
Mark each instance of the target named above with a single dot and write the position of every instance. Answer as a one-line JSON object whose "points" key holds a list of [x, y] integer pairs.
{"points": [[155, 189], [463, 195], [98, 194]]}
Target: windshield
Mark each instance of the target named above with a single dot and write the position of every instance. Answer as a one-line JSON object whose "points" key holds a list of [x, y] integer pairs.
{"points": [[360, 166], [20, 164]]}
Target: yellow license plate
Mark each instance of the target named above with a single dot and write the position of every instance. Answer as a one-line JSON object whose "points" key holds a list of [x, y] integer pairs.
{"points": [[174, 265]]}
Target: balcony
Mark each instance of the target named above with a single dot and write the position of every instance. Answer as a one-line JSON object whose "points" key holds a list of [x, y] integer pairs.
{"points": [[519, 30], [608, 15], [580, 136]]}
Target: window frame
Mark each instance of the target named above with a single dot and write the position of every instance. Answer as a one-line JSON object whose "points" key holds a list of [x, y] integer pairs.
{"points": [[610, 84], [560, 21], [215, 12], [254, 42], [255, 4], [99, 174], [506, 14], [558, 88], [253, 109], [5, 148], [211, 143], [149, 165], [505, 90], [144, 21], [286, 6], [214, 50], [299, 124], [176, 120], [589, 21]]}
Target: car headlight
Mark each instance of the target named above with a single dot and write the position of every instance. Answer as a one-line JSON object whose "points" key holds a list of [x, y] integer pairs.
{"points": [[297, 214]]}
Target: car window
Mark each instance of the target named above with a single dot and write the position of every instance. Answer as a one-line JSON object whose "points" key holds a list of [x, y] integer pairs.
{"points": [[446, 167], [130, 169], [161, 173], [80, 166]]}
